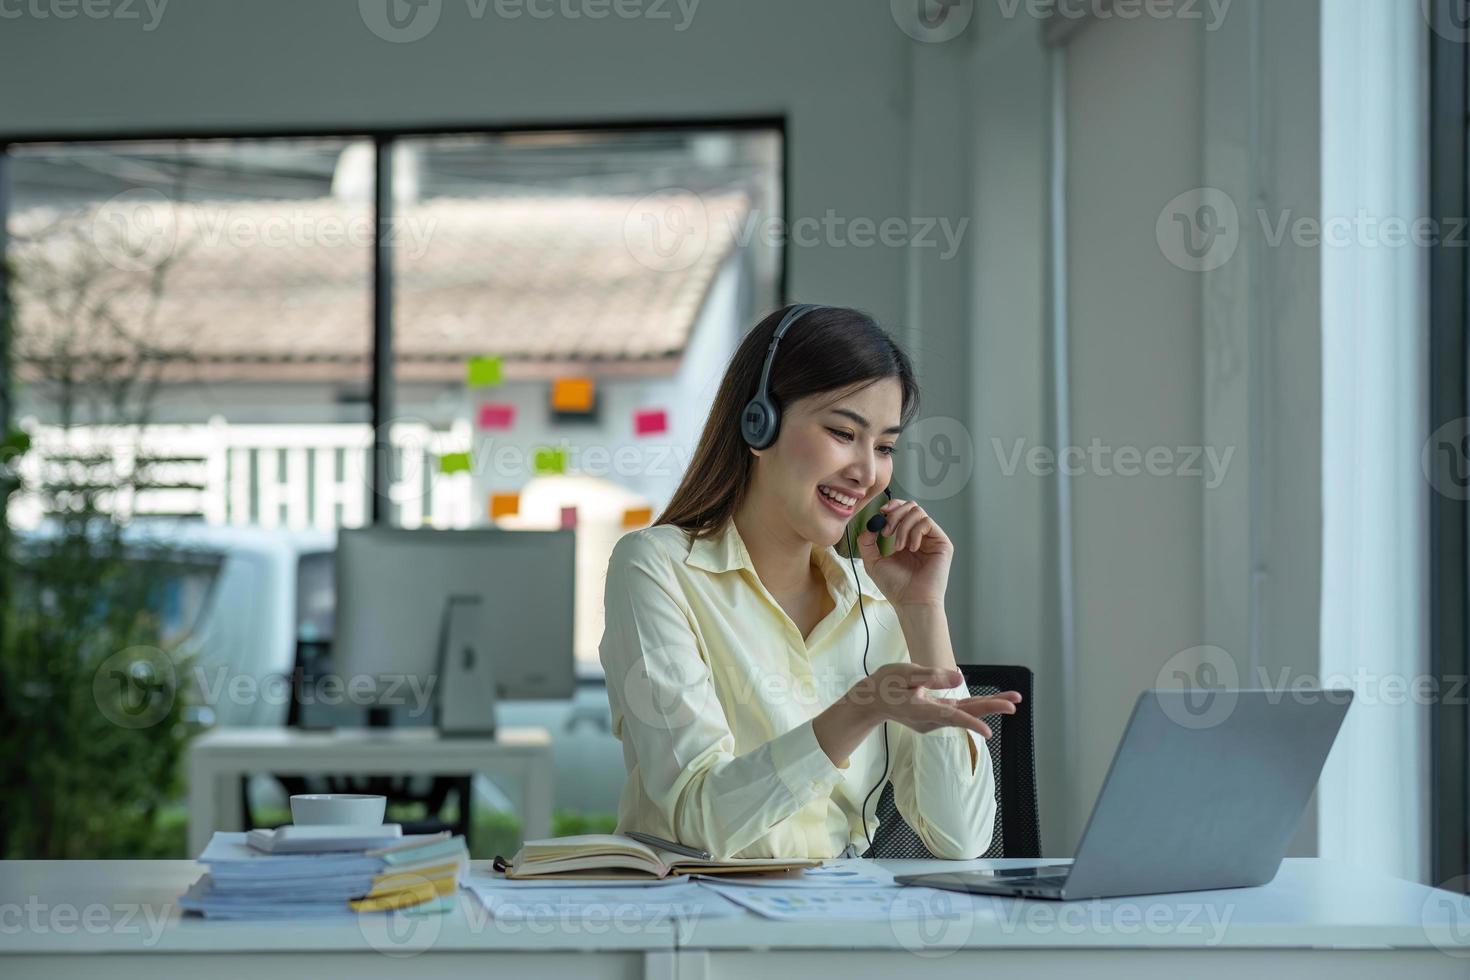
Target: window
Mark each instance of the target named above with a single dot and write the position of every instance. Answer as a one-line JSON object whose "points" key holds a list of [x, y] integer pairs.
{"points": [[194, 324], [564, 304]]}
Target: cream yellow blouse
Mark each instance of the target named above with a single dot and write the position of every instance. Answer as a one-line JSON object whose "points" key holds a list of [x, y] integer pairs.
{"points": [[713, 690]]}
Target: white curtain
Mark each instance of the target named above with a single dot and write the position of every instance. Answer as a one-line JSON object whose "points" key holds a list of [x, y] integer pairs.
{"points": [[1373, 794]]}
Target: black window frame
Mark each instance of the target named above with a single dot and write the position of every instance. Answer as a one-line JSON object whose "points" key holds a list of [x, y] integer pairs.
{"points": [[1448, 400]]}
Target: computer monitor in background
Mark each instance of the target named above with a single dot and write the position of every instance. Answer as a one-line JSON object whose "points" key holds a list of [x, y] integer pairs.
{"points": [[393, 589]]}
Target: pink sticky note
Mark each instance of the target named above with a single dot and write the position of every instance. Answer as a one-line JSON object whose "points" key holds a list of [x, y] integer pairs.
{"points": [[650, 421], [568, 518], [497, 415]]}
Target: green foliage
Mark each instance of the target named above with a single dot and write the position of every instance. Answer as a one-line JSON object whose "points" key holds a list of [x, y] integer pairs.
{"points": [[494, 832], [497, 832], [17, 443], [91, 705], [565, 823], [92, 726]]}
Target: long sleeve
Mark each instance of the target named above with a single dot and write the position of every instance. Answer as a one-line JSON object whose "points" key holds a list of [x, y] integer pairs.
{"points": [[676, 738], [946, 798]]}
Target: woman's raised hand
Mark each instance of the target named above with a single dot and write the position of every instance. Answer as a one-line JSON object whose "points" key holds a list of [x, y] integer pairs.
{"points": [[898, 692], [917, 572]]}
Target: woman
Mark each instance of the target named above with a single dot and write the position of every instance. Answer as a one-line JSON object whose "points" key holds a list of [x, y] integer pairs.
{"points": [[736, 637]]}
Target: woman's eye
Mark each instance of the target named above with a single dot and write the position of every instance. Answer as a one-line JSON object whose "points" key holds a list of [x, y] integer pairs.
{"points": [[847, 437]]}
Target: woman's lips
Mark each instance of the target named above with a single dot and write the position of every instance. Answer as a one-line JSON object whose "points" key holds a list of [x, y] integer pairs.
{"points": [[834, 506]]}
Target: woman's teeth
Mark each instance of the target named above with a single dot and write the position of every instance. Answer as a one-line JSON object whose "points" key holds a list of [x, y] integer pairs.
{"points": [[841, 498]]}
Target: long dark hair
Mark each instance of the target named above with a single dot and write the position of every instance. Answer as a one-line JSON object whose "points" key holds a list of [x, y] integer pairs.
{"points": [[827, 349]]}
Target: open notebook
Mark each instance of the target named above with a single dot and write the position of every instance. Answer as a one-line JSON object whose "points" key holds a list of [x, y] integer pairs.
{"points": [[613, 857]]}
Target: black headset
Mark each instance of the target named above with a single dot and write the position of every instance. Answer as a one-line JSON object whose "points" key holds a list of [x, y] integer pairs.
{"points": [[760, 422]]}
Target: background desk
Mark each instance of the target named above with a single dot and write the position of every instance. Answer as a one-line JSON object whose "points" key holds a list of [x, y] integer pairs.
{"points": [[218, 759], [1316, 919]]}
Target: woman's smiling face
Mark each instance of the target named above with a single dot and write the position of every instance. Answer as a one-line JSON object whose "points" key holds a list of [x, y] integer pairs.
{"points": [[833, 443]]}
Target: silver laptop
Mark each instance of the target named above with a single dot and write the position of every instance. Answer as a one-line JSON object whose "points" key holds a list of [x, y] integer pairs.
{"points": [[1205, 791]]}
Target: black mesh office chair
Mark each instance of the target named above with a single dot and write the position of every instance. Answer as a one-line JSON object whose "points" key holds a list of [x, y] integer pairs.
{"points": [[1012, 751]]}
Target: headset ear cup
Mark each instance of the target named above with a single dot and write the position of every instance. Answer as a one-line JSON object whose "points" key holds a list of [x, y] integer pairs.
{"points": [[772, 428], [755, 423]]}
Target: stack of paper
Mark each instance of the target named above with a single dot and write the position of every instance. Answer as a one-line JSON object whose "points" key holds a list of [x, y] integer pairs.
{"points": [[588, 902], [848, 902], [421, 873], [853, 888], [292, 839]]}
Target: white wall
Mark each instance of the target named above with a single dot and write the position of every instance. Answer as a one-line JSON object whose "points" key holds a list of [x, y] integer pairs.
{"points": [[1132, 143], [1263, 329], [1130, 113], [1015, 592]]}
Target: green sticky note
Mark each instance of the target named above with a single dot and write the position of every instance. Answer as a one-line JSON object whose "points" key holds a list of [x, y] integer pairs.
{"points": [[482, 372], [454, 463], [550, 460]]}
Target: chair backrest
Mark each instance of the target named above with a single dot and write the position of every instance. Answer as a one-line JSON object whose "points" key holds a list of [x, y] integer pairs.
{"points": [[1013, 755]]}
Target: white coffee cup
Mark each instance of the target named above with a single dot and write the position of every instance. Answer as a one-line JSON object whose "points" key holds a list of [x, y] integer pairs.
{"points": [[355, 809]]}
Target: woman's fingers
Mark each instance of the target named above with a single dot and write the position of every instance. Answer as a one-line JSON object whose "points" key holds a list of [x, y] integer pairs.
{"points": [[1010, 697], [894, 511], [969, 712], [989, 706], [916, 537], [908, 523], [902, 686], [898, 684], [901, 519], [905, 686], [953, 716]]}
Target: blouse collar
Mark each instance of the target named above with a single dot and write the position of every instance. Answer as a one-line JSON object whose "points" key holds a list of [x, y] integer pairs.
{"points": [[725, 550]]}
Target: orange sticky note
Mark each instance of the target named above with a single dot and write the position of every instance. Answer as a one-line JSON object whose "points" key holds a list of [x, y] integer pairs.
{"points": [[572, 394], [637, 516], [504, 505]]}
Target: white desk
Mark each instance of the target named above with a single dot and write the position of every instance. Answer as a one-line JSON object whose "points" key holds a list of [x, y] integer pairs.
{"points": [[217, 760], [136, 933], [1317, 919]]}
